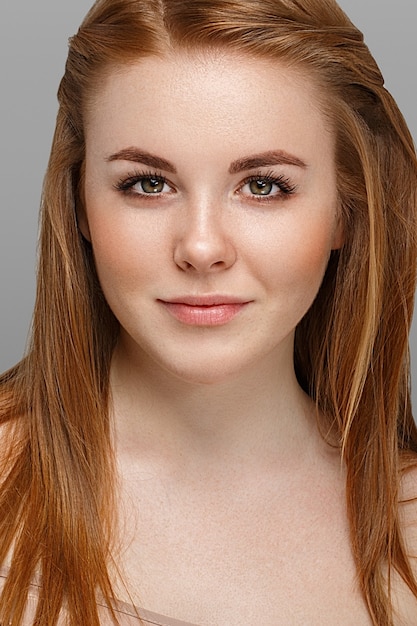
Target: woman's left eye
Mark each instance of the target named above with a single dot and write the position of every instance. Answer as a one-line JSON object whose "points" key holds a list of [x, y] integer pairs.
{"points": [[261, 187], [267, 186]]}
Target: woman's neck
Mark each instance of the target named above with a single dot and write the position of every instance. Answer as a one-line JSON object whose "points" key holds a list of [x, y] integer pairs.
{"points": [[254, 413]]}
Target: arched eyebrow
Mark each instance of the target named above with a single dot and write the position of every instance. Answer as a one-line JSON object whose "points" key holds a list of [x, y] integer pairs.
{"points": [[263, 159], [139, 156], [272, 157]]}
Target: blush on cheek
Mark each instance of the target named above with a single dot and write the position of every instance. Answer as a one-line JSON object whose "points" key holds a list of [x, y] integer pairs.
{"points": [[112, 247], [307, 258], [314, 256]]}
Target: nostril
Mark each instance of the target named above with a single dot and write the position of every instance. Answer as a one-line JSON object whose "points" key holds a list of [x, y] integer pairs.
{"points": [[204, 250]]}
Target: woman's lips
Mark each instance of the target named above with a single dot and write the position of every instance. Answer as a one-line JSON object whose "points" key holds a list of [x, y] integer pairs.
{"points": [[210, 311]]}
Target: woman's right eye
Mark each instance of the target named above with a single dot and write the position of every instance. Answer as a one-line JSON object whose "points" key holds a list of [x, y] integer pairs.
{"points": [[144, 185]]}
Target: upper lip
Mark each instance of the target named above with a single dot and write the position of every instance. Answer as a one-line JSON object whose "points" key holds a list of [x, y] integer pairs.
{"points": [[209, 300]]}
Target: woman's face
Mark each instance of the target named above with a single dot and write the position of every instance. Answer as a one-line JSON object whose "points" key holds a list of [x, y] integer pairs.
{"points": [[211, 207]]}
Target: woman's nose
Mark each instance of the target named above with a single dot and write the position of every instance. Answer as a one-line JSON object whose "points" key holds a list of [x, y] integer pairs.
{"points": [[204, 244]]}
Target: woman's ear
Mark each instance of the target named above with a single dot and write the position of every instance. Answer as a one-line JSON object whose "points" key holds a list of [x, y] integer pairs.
{"points": [[80, 209], [82, 221], [339, 229], [339, 234]]}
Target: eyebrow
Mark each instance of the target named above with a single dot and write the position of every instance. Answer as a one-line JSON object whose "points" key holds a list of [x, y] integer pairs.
{"points": [[273, 157], [263, 159], [140, 156]]}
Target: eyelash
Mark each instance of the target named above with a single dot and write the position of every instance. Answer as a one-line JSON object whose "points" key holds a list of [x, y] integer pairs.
{"points": [[286, 188], [125, 185]]}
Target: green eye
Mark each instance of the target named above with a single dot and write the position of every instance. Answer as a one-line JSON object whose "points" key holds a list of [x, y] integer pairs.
{"points": [[267, 187], [152, 185], [261, 187], [144, 184]]}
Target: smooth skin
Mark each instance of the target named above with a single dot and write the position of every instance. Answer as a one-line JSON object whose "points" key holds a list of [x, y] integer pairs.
{"points": [[211, 207]]}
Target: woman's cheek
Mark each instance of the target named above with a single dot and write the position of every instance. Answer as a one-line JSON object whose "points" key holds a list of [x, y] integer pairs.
{"points": [[301, 255]]}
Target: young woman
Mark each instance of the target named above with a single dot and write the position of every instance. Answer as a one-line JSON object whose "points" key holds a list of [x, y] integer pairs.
{"points": [[213, 419]]}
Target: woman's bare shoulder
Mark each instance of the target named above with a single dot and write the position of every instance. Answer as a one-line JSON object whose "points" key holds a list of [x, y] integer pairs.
{"points": [[408, 506], [13, 428], [405, 602]]}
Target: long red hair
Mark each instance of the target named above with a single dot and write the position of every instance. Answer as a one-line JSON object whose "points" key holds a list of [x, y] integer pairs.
{"points": [[351, 349]]}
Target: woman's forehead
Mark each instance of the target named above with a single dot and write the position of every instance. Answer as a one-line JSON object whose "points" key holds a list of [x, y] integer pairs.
{"points": [[209, 99]]}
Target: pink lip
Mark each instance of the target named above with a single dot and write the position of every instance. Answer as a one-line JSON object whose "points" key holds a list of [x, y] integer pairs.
{"points": [[204, 310]]}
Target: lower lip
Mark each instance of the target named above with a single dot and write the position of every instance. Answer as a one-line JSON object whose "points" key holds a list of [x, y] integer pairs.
{"points": [[214, 315]]}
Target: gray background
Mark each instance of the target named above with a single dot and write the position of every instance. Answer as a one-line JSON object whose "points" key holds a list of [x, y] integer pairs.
{"points": [[33, 46]]}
